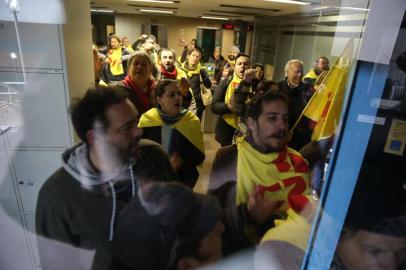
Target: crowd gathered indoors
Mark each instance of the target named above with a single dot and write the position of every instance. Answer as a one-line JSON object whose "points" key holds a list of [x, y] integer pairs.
{"points": [[125, 192]]}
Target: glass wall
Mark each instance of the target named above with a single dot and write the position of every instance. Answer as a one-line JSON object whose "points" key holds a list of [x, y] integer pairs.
{"points": [[356, 216]]}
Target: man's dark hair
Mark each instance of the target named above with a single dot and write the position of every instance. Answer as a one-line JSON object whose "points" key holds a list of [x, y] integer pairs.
{"points": [[92, 107], [166, 50], [259, 65], [242, 55], [255, 108], [264, 86], [322, 58], [168, 221], [161, 86]]}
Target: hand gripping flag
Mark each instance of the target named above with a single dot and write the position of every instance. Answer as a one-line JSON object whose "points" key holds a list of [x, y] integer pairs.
{"points": [[324, 108]]}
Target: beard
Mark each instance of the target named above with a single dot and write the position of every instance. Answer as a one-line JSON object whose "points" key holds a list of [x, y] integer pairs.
{"points": [[168, 67], [266, 144]]}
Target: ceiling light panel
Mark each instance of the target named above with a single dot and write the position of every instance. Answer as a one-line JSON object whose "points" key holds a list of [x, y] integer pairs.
{"points": [[157, 11], [215, 18], [293, 2], [155, 1]]}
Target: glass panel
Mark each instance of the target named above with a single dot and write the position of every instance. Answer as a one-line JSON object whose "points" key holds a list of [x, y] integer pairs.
{"points": [[340, 66]]}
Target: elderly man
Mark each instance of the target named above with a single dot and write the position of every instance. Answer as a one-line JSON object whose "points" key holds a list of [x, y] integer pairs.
{"points": [[260, 165], [299, 94], [168, 70], [79, 204]]}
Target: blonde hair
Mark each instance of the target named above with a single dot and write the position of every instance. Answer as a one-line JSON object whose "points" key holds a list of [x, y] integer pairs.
{"points": [[140, 53], [290, 62]]}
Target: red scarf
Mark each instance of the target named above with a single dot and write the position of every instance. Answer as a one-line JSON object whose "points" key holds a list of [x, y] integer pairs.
{"points": [[169, 75], [142, 97]]}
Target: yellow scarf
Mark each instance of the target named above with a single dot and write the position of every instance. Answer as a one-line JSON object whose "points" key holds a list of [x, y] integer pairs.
{"points": [[116, 67], [296, 228], [231, 118], [129, 48], [180, 74], [231, 62], [188, 126], [312, 75], [274, 175], [190, 73]]}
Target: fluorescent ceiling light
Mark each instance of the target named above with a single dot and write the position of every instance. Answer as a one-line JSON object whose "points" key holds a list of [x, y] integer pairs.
{"points": [[323, 7], [215, 18], [102, 10], [293, 2], [156, 11], [354, 8], [14, 83], [154, 1]]}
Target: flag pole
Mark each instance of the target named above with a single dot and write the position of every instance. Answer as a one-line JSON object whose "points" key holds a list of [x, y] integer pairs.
{"points": [[314, 94]]}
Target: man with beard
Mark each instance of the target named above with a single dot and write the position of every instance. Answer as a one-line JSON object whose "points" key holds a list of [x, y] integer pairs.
{"points": [[168, 70], [260, 164], [224, 103], [79, 204], [299, 94]]}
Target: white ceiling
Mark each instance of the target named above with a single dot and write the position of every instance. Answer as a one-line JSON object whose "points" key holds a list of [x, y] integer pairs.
{"points": [[233, 9]]}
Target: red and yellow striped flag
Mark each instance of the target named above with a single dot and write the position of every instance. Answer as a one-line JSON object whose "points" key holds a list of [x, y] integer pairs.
{"points": [[324, 108]]}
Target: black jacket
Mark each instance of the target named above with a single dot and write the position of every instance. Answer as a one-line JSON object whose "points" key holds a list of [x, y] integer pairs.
{"points": [[224, 132], [192, 157], [75, 209], [194, 81], [298, 98]]}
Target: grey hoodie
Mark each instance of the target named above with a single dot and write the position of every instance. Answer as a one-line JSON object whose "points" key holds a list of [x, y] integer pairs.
{"points": [[76, 163], [78, 206]]}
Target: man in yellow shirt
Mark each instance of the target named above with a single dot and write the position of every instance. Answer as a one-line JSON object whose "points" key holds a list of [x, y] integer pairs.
{"points": [[261, 163], [259, 169]]}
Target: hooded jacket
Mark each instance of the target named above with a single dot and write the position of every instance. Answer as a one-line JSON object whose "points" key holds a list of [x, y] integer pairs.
{"points": [[79, 206]]}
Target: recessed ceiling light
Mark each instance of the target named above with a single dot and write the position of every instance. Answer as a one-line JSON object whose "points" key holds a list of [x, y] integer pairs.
{"points": [[154, 1], [354, 8], [215, 18], [102, 10], [156, 11], [293, 2]]}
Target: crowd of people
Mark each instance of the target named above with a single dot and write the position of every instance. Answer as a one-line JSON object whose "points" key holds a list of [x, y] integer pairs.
{"points": [[125, 191]]}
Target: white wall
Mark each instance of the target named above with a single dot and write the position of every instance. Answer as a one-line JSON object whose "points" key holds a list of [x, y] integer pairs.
{"points": [[130, 25], [275, 45], [77, 33]]}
